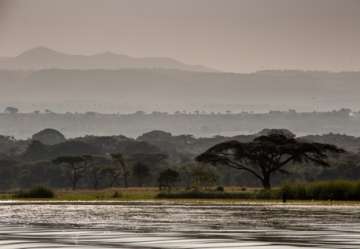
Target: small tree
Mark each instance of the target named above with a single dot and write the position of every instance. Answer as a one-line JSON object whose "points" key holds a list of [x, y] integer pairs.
{"points": [[11, 110], [202, 177], [140, 171], [267, 155], [96, 169], [76, 165], [120, 168], [167, 179]]}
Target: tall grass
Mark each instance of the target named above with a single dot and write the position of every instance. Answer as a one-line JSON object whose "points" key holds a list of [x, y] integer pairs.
{"points": [[205, 195], [132, 193], [322, 190], [36, 192], [341, 190], [257, 194]]}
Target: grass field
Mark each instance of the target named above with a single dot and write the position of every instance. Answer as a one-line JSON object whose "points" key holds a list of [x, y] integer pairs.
{"points": [[131, 193], [109, 194], [319, 192], [93, 195]]}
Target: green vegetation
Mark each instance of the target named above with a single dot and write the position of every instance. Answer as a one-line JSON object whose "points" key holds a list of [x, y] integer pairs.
{"points": [[268, 154], [237, 193], [158, 165], [167, 179], [111, 194], [323, 190], [340, 190], [35, 193], [205, 195]]}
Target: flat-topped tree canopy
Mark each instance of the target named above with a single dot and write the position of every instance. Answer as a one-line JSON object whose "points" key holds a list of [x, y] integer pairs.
{"points": [[268, 154], [49, 136]]}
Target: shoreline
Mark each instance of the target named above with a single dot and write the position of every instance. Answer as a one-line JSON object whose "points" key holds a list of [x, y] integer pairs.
{"points": [[181, 202]]}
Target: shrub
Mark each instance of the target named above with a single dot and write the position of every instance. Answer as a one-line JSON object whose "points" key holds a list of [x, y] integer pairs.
{"points": [[37, 192], [322, 190], [220, 189], [294, 191], [205, 195], [266, 194], [116, 194]]}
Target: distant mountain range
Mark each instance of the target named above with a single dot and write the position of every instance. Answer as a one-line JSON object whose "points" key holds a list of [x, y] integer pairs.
{"points": [[43, 78], [44, 58]]}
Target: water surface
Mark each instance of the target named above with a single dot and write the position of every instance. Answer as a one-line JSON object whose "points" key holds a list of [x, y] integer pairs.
{"points": [[169, 225]]}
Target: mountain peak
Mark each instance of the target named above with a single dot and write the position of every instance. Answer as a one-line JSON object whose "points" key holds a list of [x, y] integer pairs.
{"points": [[39, 51], [43, 57]]}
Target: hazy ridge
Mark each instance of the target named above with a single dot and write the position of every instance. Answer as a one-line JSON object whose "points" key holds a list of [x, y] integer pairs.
{"points": [[128, 90], [44, 58], [24, 125]]}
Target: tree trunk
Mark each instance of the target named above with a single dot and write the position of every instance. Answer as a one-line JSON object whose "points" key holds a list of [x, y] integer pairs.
{"points": [[74, 178], [95, 183], [113, 181], [266, 182], [125, 174], [126, 181], [74, 184]]}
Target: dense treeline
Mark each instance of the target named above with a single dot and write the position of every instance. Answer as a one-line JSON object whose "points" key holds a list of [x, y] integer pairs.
{"points": [[155, 158], [198, 123]]}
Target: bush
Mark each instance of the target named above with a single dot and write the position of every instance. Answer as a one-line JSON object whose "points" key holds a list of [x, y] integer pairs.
{"points": [[37, 192], [266, 194], [220, 189], [323, 190], [205, 195], [116, 194]]}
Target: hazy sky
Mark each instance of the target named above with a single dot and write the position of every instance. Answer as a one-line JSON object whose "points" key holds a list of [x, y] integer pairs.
{"points": [[231, 35]]}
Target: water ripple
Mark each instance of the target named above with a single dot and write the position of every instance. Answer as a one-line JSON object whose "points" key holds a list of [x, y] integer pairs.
{"points": [[167, 225]]}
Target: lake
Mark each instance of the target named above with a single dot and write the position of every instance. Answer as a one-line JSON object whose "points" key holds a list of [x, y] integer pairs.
{"points": [[172, 225]]}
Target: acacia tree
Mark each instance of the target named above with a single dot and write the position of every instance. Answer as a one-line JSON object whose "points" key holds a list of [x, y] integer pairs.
{"points": [[141, 171], [202, 177], [145, 164], [76, 165], [11, 110], [96, 167], [120, 169], [167, 179], [266, 155]]}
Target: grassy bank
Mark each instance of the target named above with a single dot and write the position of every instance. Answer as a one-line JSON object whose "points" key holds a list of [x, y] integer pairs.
{"points": [[338, 190], [109, 194], [315, 191], [134, 194], [323, 190], [244, 195], [86, 194]]}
